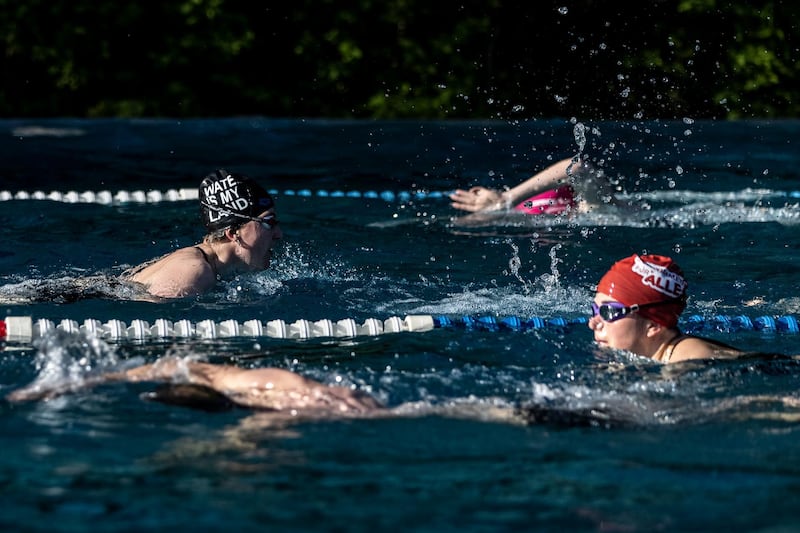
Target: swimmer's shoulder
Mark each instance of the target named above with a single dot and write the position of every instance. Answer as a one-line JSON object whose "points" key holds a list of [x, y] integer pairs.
{"points": [[184, 272], [188, 256], [687, 347]]}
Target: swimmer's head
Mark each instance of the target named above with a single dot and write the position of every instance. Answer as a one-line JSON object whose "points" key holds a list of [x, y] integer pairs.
{"points": [[644, 279], [231, 199]]}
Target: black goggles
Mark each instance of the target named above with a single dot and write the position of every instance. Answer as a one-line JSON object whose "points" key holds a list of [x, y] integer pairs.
{"points": [[268, 221], [613, 311]]}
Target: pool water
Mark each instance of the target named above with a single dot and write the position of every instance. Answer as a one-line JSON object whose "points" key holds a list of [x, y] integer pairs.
{"points": [[490, 429]]}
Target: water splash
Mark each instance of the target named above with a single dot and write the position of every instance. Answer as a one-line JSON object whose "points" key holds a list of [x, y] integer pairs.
{"points": [[544, 295], [66, 361], [579, 132], [61, 288], [292, 262]]}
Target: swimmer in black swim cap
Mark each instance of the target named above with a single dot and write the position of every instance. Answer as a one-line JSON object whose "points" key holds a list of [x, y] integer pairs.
{"points": [[231, 200], [242, 229]]}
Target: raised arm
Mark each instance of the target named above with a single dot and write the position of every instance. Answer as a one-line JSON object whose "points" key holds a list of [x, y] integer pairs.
{"points": [[484, 199]]}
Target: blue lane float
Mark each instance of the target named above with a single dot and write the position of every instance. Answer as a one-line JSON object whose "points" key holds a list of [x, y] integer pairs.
{"points": [[787, 323], [690, 324], [511, 323]]}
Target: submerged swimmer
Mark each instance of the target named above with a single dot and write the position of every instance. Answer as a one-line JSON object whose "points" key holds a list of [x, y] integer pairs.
{"points": [[242, 229], [279, 395], [569, 185], [271, 389], [636, 308], [282, 395]]}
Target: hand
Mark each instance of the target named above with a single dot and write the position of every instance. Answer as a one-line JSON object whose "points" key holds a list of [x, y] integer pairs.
{"points": [[478, 199]]}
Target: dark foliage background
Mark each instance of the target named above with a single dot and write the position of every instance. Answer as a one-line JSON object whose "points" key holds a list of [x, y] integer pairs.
{"points": [[400, 58]]}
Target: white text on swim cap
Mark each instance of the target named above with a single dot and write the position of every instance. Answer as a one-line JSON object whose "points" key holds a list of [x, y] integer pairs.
{"points": [[219, 186], [224, 192], [659, 278]]}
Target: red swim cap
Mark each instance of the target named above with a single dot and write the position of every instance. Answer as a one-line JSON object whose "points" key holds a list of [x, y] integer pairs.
{"points": [[646, 279]]}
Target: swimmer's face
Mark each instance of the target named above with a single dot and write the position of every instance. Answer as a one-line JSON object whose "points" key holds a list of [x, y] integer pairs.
{"points": [[256, 239], [628, 333]]}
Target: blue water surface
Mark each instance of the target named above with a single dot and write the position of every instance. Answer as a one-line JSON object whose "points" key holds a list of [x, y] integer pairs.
{"points": [[491, 429]]}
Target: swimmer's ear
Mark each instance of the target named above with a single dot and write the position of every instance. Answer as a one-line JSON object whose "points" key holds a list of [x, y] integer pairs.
{"points": [[654, 328], [232, 234]]}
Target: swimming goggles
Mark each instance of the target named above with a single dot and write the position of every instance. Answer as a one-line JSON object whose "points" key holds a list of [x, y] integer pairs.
{"points": [[267, 221], [613, 311]]}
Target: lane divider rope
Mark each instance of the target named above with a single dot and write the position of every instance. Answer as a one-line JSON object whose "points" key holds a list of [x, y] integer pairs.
{"points": [[24, 329], [180, 195], [104, 197]]}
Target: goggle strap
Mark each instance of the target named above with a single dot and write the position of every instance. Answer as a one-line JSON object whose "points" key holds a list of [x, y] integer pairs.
{"points": [[228, 212]]}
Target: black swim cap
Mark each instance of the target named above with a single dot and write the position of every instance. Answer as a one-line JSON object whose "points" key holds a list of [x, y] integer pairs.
{"points": [[231, 199]]}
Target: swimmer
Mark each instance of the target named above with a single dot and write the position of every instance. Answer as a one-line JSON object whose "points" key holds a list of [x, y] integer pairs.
{"points": [[636, 308], [570, 185], [242, 229], [271, 389]]}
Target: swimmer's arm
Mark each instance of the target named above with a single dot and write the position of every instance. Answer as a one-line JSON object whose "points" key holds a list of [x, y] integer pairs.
{"points": [[226, 379], [36, 391], [165, 370], [551, 177], [265, 388], [260, 388], [483, 199], [278, 389]]}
